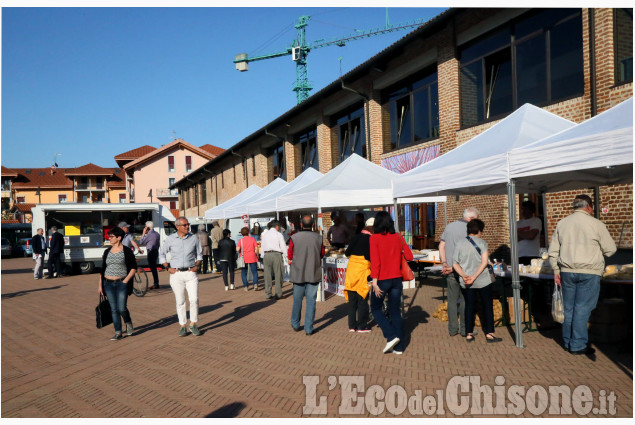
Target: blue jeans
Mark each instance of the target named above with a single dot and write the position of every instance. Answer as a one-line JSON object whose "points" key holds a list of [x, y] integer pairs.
{"points": [[254, 274], [301, 290], [580, 292], [117, 293], [393, 288]]}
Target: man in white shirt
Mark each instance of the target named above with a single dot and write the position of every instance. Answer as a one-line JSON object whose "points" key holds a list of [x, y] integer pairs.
{"points": [[528, 228], [272, 244]]}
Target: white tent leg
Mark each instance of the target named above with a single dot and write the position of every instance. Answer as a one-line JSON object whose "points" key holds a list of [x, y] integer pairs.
{"points": [[320, 294], [513, 237], [394, 205]]}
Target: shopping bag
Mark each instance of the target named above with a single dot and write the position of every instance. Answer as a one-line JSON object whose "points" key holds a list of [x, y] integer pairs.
{"points": [[557, 307], [240, 262], [102, 312]]}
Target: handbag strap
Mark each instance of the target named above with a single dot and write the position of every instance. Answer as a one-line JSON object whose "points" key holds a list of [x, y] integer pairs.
{"points": [[480, 254]]}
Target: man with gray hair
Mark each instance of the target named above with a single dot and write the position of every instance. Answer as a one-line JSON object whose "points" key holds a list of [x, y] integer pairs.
{"points": [[185, 258], [39, 249], [151, 239], [577, 250], [453, 233], [305, 257]]}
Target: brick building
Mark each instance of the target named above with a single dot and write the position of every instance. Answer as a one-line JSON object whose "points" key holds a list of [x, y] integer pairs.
{"points": [[436, 88]]}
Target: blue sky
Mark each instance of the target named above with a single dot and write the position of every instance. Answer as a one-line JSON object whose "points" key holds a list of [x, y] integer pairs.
{"points": [[91, 83]]}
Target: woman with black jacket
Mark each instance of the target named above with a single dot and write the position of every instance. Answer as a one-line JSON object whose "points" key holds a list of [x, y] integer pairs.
{"points": [[227, 257], [116, 279]]}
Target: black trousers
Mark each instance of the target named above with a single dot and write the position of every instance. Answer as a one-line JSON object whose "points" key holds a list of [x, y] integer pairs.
{"points": [[54, 259], [228, 267], [470, 308], [153, 256], [205, 262], [216, 254], [357, 311]]}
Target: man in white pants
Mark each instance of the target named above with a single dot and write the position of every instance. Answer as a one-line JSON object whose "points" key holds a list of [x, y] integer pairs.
{"points": [[185, 258]]}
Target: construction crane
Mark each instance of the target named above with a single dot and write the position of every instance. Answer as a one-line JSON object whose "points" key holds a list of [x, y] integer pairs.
{"points": [[299, 49]]}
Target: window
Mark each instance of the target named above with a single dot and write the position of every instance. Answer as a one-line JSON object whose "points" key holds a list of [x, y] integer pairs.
{"points": [[623, 44], [187, 198], [83, 183], [6, 184], [171, 181], [253, 165], [171, 163], [99, 183], [308, 149], [98, 198], [203, 193], [172, 205], [234, 171], [414, 111], [536, 59], [83, 199], [188, 163], [222, 180], [277, 154], [20, 200], [61, 199], [122, 198], [351, 134]]}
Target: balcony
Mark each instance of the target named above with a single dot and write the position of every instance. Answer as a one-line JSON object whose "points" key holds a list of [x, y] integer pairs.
{"points": [[166, 193], [89, 186]]}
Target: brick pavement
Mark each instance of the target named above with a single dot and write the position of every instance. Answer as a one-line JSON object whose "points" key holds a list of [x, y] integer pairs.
{"points": [[249, 362]]}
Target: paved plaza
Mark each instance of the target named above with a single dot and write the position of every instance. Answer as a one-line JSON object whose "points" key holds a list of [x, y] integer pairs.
{"points": [[248, 362]]}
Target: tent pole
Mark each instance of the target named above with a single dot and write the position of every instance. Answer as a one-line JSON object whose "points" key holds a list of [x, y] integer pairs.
{"points": [[320, 294], [513, 237], [394, 205], [545, 221]]}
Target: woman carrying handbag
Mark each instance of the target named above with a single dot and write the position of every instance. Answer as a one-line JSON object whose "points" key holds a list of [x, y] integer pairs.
{"points": [[471, 263], [115, 280], [248, 249], [386, 250]]}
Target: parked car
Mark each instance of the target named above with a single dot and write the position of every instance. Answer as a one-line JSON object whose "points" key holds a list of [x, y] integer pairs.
{"points": [[6, 248], [24, 248]]}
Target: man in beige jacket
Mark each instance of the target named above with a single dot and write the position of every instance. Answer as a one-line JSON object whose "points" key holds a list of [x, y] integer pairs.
{"points": [[216, 235], [576, 253]]}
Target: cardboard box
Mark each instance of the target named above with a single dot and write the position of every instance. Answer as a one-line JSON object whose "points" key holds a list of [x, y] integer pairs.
{"points": [[511, 313]]}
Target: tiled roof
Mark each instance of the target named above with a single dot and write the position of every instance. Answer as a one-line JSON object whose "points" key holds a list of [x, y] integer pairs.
{"points": [[214, 150], [135, 153], [167, 148], [23, 208], [8, 172], [42, 177], [90, 169]]}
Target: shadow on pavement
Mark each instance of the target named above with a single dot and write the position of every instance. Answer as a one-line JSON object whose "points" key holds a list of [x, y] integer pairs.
{"points": [[18, 271], [20, 293], [230, 410], [171, 320], [340, 311], [238, 313]]}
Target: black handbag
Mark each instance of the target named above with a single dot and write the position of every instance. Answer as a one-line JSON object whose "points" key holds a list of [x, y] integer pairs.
{"points": [[103, 314]]}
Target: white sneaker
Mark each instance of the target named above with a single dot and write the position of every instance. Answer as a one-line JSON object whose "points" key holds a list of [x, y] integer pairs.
{"points": [[232, 287], [390, 344], [397, 352], [226, 288]]}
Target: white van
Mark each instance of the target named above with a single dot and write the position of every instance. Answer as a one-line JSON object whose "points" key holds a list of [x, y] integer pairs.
{"points": [[85, 228]]}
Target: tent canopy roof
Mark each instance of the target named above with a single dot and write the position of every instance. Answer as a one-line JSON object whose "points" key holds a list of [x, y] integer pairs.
{"points": [[217, 211], [240, 208], [479, 166]]}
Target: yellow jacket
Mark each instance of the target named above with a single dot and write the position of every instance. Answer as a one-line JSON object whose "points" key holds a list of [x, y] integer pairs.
{"points": [[357, 273]]}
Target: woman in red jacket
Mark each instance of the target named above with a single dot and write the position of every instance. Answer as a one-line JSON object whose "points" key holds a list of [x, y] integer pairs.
{"points": [[386, 248]]}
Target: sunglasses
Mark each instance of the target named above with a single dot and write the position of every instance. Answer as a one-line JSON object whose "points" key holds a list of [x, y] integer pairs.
{"points": [[187, 225]]}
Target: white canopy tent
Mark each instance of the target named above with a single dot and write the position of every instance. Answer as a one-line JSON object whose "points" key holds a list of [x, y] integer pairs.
{"points": [[269, 204], [479, 166], [598, 151], [218, 211], [355, 182], [240, 208]]}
